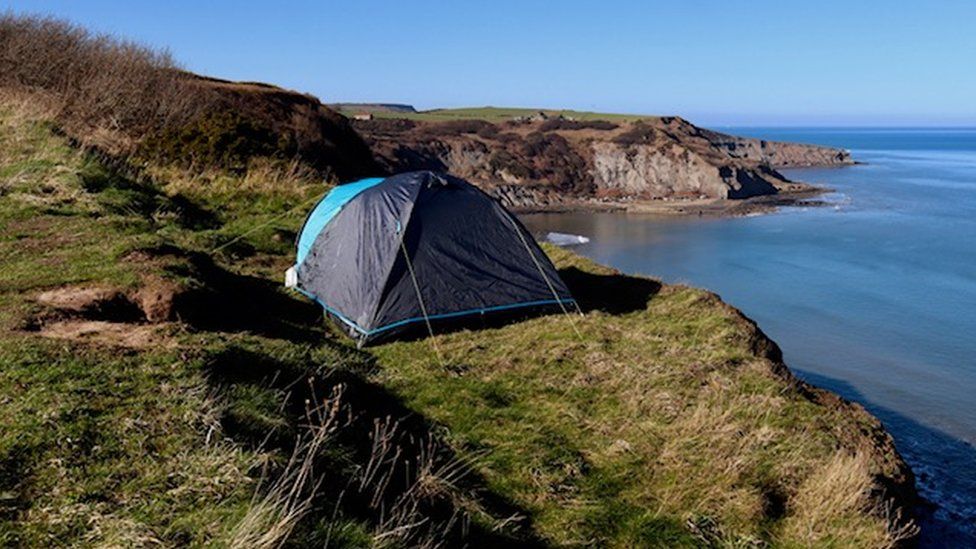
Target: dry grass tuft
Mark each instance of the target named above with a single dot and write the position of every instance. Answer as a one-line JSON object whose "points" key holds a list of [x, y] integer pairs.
{"points": [[272, 517], [433, 479], [828, 497]]}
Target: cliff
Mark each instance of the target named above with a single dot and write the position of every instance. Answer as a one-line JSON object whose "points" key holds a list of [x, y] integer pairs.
{"points": [[186, 398], [777, 153], [545, 163]]}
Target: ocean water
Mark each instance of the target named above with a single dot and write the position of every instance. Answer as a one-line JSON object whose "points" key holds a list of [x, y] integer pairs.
{"points": [[873, 296]]}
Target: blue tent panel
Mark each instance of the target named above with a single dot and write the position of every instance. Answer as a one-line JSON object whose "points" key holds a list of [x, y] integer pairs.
{"points": [[326, 209]]}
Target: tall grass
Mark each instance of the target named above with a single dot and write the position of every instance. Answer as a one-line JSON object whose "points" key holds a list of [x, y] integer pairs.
{"points": [[104, 91]]}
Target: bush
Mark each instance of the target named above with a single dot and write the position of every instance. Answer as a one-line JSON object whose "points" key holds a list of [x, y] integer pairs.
{"points": [[222, 139], [563, 124], [489, 131], [457, 127], [640, 133], [96, 82], [385, 125]]}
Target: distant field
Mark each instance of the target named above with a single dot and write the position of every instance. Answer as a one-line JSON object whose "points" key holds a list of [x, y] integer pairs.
{"points": [[491, 114]]}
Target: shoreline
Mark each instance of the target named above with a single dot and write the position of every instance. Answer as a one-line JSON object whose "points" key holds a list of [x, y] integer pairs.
{"points": [[802, 195]]}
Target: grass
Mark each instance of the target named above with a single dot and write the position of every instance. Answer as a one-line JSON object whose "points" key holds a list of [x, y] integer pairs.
{"points": [[494, 114], [664, 424], [96, 444], [658, 417]]}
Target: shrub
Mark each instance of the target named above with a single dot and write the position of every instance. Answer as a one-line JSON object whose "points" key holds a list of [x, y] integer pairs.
{"points": [[489, 131], [456, 127], [222, 139], [385, 125], [638, 133], [563, 124], [96, 82]]}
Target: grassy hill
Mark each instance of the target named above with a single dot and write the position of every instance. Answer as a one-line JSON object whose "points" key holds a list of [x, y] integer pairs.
{"points": [[136, 104], [158, 386]]}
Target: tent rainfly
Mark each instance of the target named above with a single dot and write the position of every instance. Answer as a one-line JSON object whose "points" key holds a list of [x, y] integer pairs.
{"points": [[416, 250]]}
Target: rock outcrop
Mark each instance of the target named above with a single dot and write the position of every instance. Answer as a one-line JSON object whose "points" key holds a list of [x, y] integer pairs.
{"points": [[780, 154], [553, 163]]}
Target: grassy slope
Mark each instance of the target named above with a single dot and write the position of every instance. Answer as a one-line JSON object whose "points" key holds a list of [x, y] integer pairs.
{"points": [[662, 415], [660, 425], [492, 114], [98, 445]]}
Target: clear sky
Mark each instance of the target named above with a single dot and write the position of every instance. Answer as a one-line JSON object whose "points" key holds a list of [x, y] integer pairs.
{"points": [[717, 63]]}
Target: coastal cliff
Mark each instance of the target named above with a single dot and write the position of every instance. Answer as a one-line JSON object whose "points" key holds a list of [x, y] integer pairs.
{"points": [[159, 385], [199, 375], [540, 164]]}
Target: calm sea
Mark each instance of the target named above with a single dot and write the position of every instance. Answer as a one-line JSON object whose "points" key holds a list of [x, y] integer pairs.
{"points": [[873, 297]]}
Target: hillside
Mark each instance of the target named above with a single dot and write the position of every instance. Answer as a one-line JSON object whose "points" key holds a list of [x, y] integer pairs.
{"points": [[137, 106], [556, 163], [160, 387], [291, 124]]}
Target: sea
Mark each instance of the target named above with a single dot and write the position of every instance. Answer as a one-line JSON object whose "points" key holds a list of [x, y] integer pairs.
{"points": [[872, 296]]}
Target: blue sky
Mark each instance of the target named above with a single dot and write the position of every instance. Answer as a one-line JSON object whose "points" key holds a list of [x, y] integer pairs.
{"points": [[716, 63]]}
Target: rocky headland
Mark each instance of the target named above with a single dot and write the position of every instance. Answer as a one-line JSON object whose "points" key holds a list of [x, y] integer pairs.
{"points": [[653, 163]]}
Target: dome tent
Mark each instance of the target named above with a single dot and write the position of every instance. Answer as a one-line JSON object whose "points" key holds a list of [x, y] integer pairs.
{"points": [[386, 256]]}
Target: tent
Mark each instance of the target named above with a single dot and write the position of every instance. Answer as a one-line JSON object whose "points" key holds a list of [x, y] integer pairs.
{"points": [[419, 251]]}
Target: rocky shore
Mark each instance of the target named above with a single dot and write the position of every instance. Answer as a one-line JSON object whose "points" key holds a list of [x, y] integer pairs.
{"points": [[659, 164]]}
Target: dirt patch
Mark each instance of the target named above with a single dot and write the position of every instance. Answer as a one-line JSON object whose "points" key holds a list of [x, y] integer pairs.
{"points": [[156, 298], [116, 334], [93, 302], [75, 299]]}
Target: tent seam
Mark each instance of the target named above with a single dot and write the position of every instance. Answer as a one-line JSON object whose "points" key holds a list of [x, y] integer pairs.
{"points": [[401, 234]]}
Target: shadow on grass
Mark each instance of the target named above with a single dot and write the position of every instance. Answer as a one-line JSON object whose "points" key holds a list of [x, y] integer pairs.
{"points": [[375, 417], [611, 293], [212, 298], [117, 192], [417, 469]]}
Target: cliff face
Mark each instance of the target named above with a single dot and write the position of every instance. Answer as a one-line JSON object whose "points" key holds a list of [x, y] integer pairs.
{"points": [[650, 172], [778, 153], [546, 163]]}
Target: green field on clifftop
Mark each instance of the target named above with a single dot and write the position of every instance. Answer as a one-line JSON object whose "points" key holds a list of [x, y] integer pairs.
{"points": [[492, 114]]}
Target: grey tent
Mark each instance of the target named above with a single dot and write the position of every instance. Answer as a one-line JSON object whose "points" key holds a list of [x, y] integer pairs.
{"points": [[388, 256]]}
